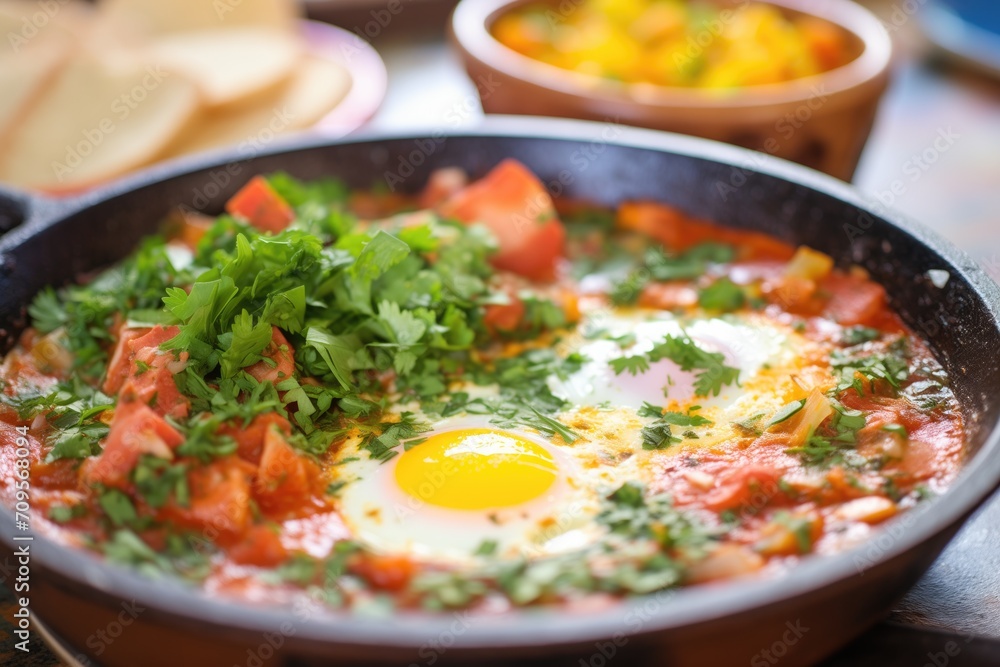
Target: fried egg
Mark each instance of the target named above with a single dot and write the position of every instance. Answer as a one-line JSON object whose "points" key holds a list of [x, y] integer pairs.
{"points": [[746, 346], [467, 483]]}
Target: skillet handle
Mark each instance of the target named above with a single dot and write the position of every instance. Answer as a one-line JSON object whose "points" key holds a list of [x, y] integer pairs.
{"points": [[18, 208]]}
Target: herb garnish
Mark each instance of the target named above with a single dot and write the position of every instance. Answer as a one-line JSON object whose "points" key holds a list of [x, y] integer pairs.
{"points": [[712, 372], [659, 265], [657, 435]]}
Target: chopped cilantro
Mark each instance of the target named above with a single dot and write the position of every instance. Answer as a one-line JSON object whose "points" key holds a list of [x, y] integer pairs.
{"points": [[118, 507], [333, 488], [650, 410], [800, 527], [662, 266], [834, 443], [380, 439], [486, 548], [712, 373], [157, 481], [896, 429], [857, 335], [787, 412], [657, 436], [66, 513], [858, 369], [634, 364], [723, 295]]}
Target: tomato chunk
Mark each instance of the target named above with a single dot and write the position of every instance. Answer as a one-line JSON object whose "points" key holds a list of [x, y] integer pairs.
{"points": [[504, 317], [442, 184], [287, 480], [388, 572], [135, 430], [121, 361], [853, 299], [668, 295], [189, 227], [219, 502], [751, 486], [250, 439], [141, 371], [260, 205], [517, 208], [260, 546], [154, 338], [282, 360]]}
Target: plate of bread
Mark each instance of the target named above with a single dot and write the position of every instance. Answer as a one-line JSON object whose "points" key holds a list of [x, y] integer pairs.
{"points": [[94, 92]]}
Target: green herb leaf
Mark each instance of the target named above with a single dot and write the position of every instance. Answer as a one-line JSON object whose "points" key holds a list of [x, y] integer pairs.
{"points": [[858, 335], [722, 295], [897, 429], [787, 412], [118, 507], [657, 436], [635, 365], [712, 373], [486, 548], [243, 345]]}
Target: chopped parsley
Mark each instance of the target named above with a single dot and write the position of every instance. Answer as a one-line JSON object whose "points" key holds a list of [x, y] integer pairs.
{"points": [[787, 412], [861, 371], [723, 295], [833, 444], [634, 364], [66, 513], [800, 527], [118, 507], [896, 429], [648, 544], [486, 548], [711, 371], [72, 409], [857, 335], [658, 434], [184, 556], [659, 265]]}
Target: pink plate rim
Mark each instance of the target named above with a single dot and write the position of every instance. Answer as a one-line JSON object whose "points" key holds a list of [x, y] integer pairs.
{"points": [[369, 79]]}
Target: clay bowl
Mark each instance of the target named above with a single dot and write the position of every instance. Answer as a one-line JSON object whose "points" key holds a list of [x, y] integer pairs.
{"points": [[821, 121]]}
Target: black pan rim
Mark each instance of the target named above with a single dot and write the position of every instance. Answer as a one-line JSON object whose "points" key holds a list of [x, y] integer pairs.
{"points": [[532, 629]]}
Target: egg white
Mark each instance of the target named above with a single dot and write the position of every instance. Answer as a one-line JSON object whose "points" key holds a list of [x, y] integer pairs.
{"points": [[388, 520]]}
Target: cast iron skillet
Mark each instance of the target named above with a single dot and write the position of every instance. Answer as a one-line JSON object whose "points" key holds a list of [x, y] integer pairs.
{"points": [[808, 613]]}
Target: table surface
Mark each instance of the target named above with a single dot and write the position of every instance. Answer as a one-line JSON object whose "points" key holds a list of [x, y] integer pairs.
{"points": [[955, 191]]}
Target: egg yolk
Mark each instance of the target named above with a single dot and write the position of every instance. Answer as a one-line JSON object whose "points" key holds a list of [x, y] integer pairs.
{"points": [[474, 469]]}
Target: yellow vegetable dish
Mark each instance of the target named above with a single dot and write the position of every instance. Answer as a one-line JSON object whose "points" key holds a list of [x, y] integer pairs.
{"points": [[676, 43]]}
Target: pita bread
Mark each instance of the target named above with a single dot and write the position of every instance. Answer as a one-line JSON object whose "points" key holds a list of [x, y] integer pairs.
{"points": [[120, 119], [317, 86], [161, 17], [230, 66]]}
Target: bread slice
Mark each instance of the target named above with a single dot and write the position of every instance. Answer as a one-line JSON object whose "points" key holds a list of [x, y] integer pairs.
{"points": [[96, 121], [26, 25], [23, 77], [36, 41], [230, 66], [161, 17], [315, 89]]}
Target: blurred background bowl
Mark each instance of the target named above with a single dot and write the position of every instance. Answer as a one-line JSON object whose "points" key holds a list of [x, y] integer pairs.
{"points": [[374, 19], [821, 121]]}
